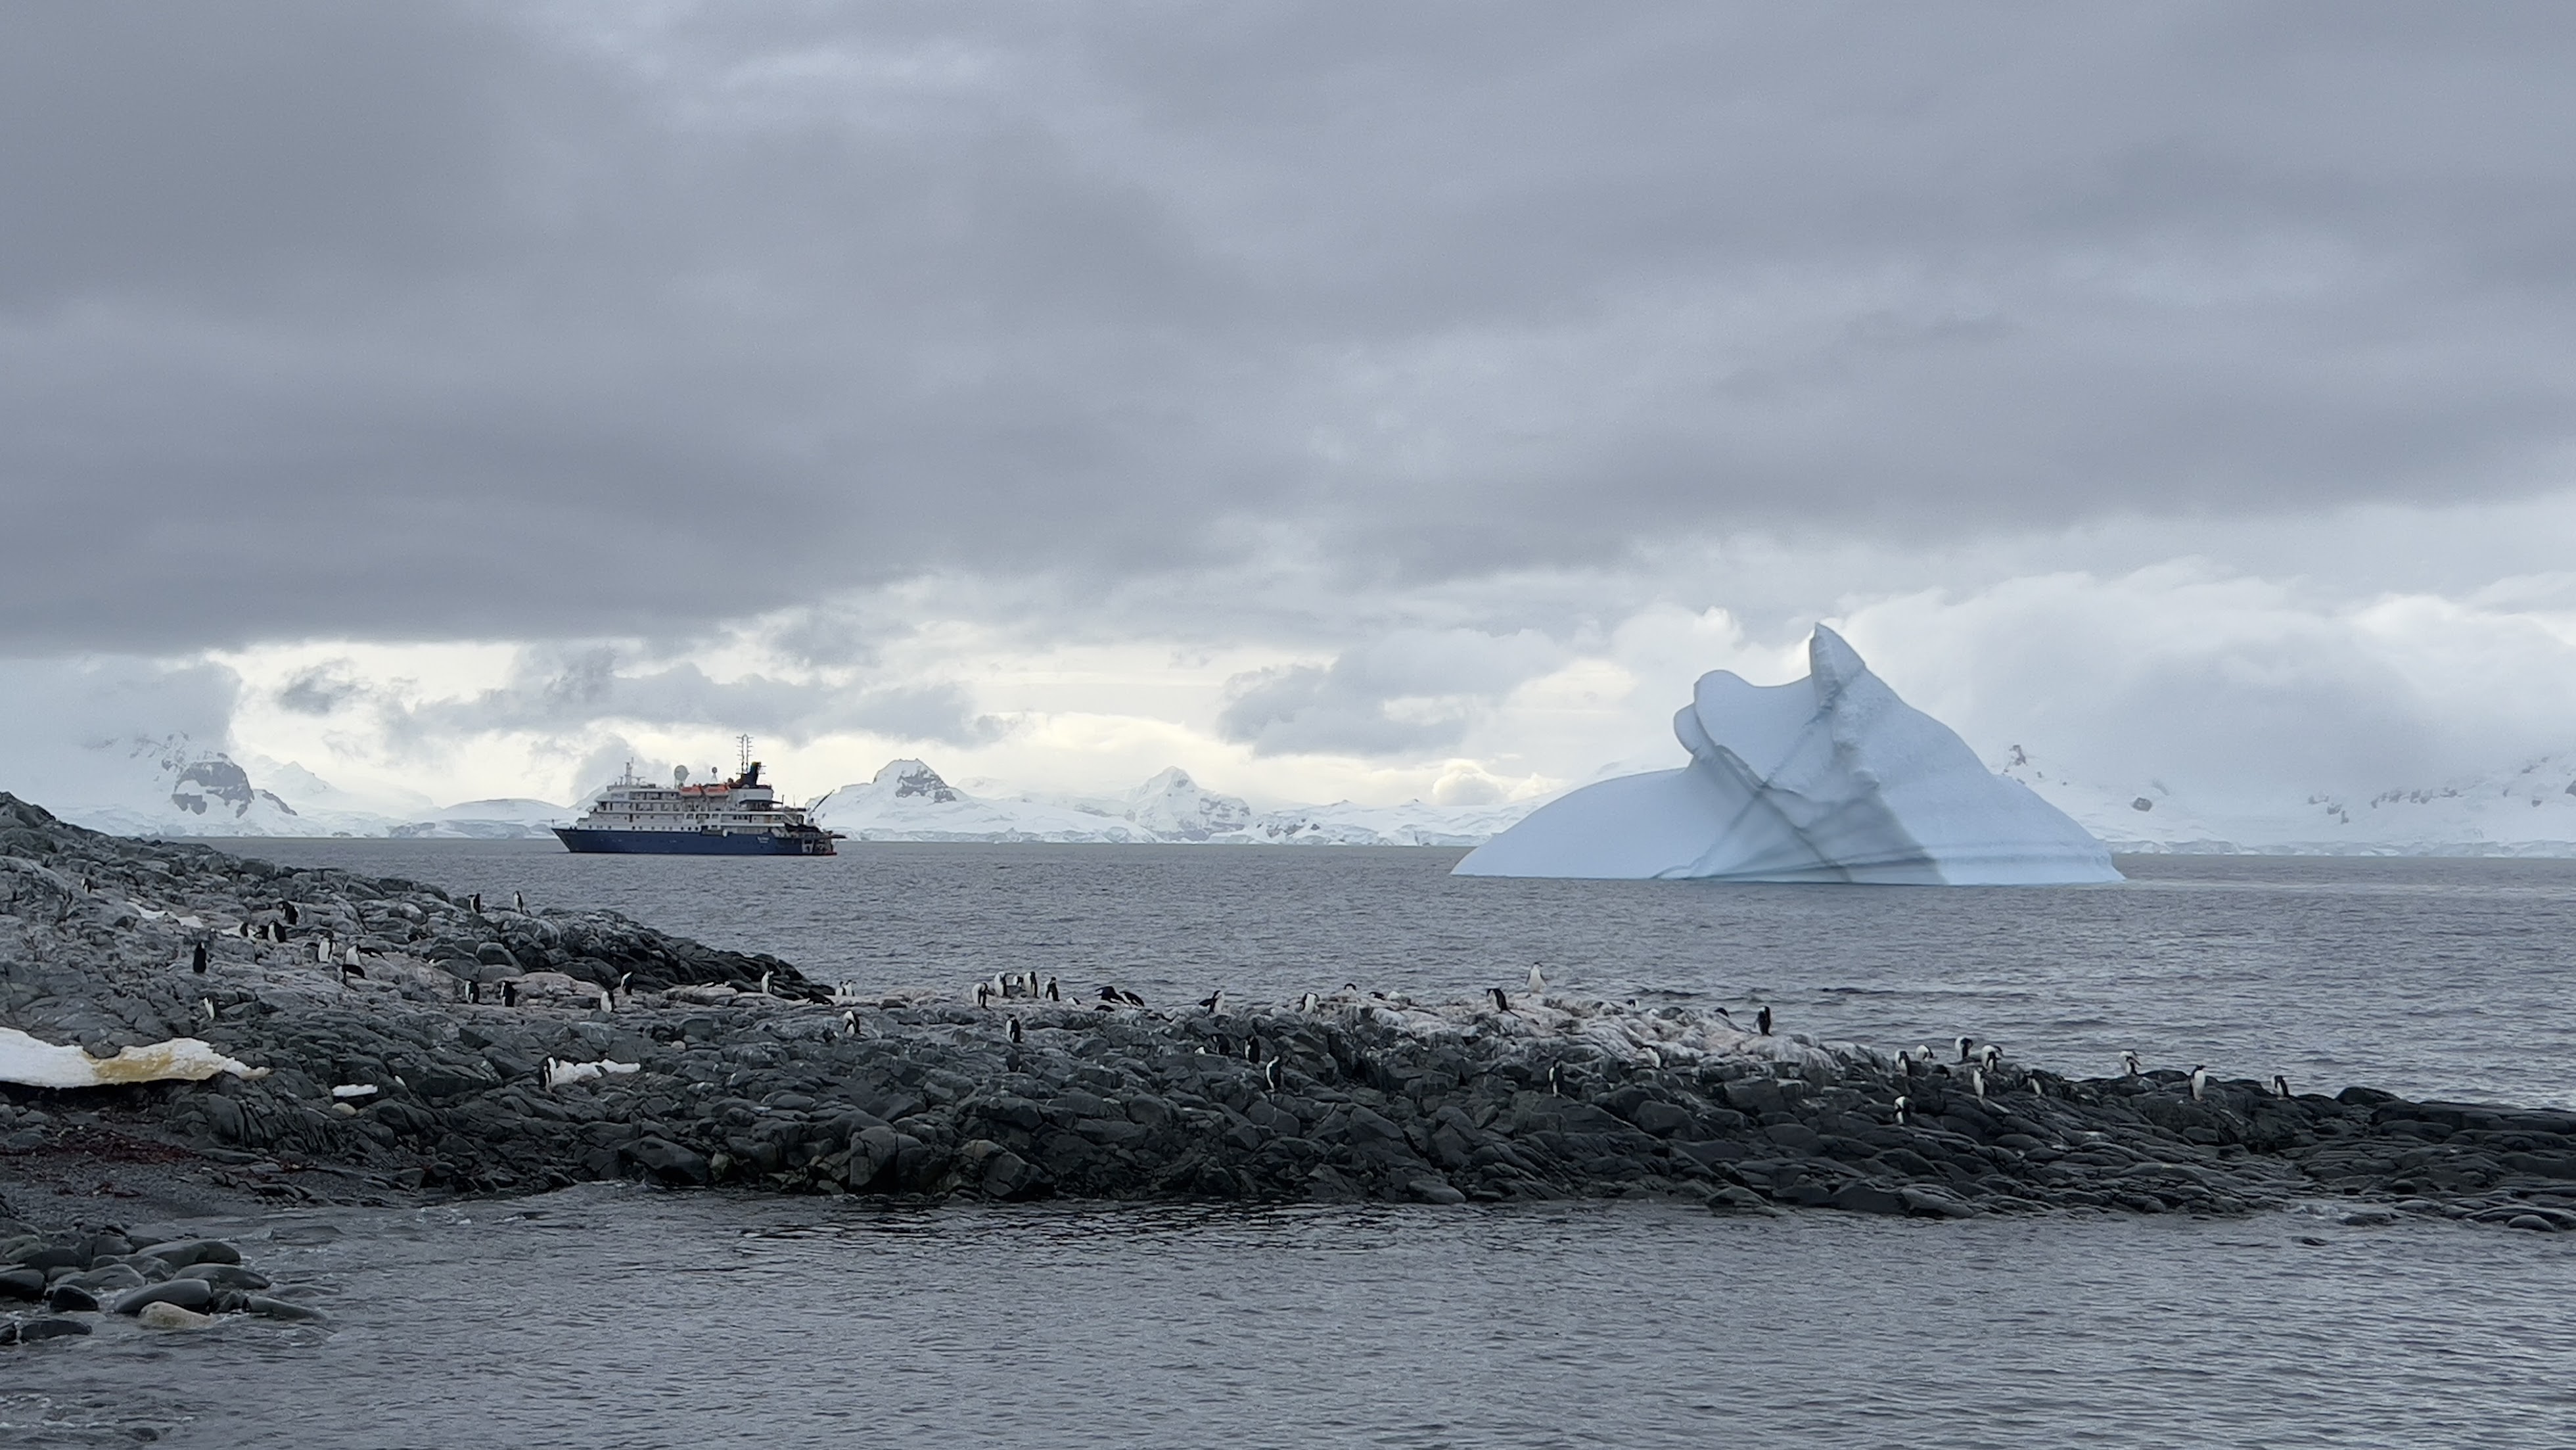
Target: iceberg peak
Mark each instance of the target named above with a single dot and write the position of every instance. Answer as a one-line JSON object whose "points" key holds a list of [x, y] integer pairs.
{"points": [[1829, 778]]}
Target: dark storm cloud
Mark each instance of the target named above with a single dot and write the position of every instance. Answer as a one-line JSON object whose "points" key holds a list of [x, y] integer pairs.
{"points": [[552, 692], [1404, 691], [425, 321]]}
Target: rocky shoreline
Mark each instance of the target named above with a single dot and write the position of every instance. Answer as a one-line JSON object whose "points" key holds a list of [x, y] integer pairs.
{"points": [[603, 1049]]}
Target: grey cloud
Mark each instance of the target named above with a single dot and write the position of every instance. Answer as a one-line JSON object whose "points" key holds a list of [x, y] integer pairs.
{"points": [[554, 692], [1407, 691], [321, 689], [437, 320]]}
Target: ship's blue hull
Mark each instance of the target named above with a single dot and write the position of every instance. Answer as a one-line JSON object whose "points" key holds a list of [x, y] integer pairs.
{"points": [[693, 843]]}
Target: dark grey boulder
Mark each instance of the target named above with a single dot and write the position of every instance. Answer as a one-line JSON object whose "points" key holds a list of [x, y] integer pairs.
{"points": [[193, 1294], [1867, 1198], [71, 1299], [225, 1276], [268, 1307], [22, 1284], [31, 1331], [184, 1252], [669, 1162]]}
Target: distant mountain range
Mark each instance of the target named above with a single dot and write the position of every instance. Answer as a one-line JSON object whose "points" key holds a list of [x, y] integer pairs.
{"points": [[170, 787], [2527, 810], [907, 801]]}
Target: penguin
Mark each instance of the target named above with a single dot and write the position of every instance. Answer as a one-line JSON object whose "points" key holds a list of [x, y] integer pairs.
{"points": [[2036, 1089], [1252, 1049], [518, 901], [1131, 999], [474, 991], [1016, 1034], [1906, 1061], [2199, 1083], [1307, 1002], [1963, 1044], [2129, 1066], [1977, 1080], [292, 917], [1989, 1056], [850, 1020], [1214, 1002], [509, 994], [1109, 994], [622, 979], [1501, 1002], [1270, 1074], [1901, 1102], [2280, 1086], [1551, 1080], [983, 994], [1537, 983], [197, 959], [1762, 1021], [207, 1005], [764, 983], [1052, 994], [476, 901]]}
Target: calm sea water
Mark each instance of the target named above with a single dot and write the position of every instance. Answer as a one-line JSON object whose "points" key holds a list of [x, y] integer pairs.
{"points": [[611, 1316]]}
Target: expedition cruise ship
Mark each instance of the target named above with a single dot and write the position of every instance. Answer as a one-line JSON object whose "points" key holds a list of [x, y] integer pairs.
{"points": [[739, 817]]}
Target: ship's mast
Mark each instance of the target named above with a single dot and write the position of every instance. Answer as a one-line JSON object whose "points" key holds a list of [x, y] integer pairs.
{"points": [[745, 742]]}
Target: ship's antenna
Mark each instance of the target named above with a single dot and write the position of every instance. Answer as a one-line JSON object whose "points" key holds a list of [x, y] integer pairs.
{"points": [[745, 742]]}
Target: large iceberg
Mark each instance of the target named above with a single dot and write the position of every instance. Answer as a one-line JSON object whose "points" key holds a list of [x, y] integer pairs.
{"points": [[1830, 778]]}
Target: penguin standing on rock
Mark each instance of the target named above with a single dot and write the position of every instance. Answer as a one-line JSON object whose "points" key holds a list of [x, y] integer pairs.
{"points": [[2280, 1086], [1762, 1021], [1990, 1057], [1537, 983], [1214, 1003], [1501, 1002], [1963, 1044], [2129, 1064], [2199, 1084], [1052, 994], [197, 959], [292, 917], [1016, 1032], [1902, 1102], [509, 994], [1270, 1074]]}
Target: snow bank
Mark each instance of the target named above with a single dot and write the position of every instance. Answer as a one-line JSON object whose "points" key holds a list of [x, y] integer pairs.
{"points": [[1829, 778], [28, 1062]]}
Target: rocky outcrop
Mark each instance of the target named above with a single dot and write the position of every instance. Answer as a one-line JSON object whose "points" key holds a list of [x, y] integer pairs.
{"points": [[398, 1081]]}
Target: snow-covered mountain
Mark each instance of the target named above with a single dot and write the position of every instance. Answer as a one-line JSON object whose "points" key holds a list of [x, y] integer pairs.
{"points": [[2529, 810], [908, 801], [507, 818], [171, 786]]}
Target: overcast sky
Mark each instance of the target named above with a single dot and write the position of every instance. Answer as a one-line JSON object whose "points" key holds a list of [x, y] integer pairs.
{"points": [[1360, 399]]}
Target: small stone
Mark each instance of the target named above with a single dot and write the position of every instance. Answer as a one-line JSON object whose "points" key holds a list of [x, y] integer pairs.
{"points": [[164, 1315], [2531, 1221]]}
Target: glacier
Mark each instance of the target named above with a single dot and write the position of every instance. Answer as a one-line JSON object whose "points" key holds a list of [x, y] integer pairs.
{"points": [[1827, 779]]}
